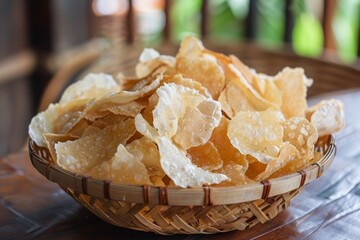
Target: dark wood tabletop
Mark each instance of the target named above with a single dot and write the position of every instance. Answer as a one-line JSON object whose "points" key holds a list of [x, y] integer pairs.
{"points": [[31, 207]]}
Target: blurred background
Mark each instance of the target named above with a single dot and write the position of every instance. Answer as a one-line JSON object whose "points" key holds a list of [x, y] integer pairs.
{"points": [[52, 41]]}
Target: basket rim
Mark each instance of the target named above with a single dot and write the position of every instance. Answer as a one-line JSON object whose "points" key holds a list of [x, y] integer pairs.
{"points": [[175, 196]]}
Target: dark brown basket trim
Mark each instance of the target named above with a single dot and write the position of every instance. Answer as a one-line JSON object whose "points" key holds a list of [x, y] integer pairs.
{"points": [[163, 196], [107, 184], [266, 190], [146, 194], [47, 169], [303, 177], [320, 169], [84, 186], [208, 196]]}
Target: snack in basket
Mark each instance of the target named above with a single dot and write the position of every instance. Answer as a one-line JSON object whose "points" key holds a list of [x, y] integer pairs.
{"points": [[200, 118]]}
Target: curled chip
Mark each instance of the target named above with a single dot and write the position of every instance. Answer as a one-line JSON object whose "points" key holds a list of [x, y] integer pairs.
{"points": [[205, 156], [151, 62], [84, 153], [327, 117], [43, 123], [185, 109], [288, 154], [226, 150], [180, 169], [293, 83], [205, 71], [146, 152], [92, 86], [257, 133], [123, 168], [52, 138], [303, 135], [190, 46], [236, 174]]}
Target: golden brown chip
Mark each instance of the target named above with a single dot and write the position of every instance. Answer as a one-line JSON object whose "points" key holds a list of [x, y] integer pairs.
{"points": [[293, 83], [123, 168], [79, 128], [146, 152], [205, 156], [52, 138], [233, 100], [236, 174], [83, 154], [107, 120], [288, 154], [302, 134], [91, 130], [203, 70], [226, 150], [327, 117], [187, 82], [257, 133], [92, 86], [181, 111], [245, 70], [151, 62], [190, 46], [268, 90], [181, 170]]}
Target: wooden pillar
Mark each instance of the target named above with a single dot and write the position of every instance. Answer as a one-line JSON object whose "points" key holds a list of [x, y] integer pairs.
{"points": [[250, 31], [328, 16], [130, 23], [289, 21], [204, 18]]}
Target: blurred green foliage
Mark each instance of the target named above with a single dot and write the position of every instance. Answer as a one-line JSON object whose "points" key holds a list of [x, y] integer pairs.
{"points": [[227, 23]]}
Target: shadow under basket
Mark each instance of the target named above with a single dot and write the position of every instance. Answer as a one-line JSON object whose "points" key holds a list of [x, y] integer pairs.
{"points": [[171, 210]]}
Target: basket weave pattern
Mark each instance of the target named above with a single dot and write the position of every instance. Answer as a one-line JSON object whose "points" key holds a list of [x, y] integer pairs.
{"points": [[159, 210]]}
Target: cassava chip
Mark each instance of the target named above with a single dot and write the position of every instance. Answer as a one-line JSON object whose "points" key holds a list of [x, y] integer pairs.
{"points": [[190, 46], [268, 90], [236, 174], [302, 134], [83, 154], [123, 168], [233, 100], [187, 82], [181, 111], [205, 156], [52, 138], [327, 117], [203, 70], [288, 154], [43, 123], [257, 133], [180, 169], [146, 151], [293, 83], [245, 70], [91, 130], [92, 86], [151, 60], [226, 150]]}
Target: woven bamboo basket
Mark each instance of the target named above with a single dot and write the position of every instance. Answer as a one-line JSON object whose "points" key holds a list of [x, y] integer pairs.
{"points": [[171, 210]]}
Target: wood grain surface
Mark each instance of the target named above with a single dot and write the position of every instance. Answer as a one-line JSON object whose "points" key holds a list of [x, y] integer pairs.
{"points": [[329, 208]]}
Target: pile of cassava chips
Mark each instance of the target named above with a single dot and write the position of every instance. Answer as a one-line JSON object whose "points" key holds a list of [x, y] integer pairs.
{"points": [[200, 118]]}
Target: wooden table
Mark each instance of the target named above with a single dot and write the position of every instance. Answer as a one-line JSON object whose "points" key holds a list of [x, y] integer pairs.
{"points": [[329, 208]]}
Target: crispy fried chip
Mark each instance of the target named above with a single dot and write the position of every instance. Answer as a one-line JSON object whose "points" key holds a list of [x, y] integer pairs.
{"points": [[227, 151], [245, 70], [203, 70], [233, 100], [187, 82], [92, 86], [302, 134], [91, 130], [205, 156], [293, 83], [236, 174], [181, 111], [123, 168], [146, 151], [268, 90], [327, 117], [83, 154], [52, 138], [180, 169], [190, 46], [257, 133], [151, 62], [288, 154], [43, 123]]}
